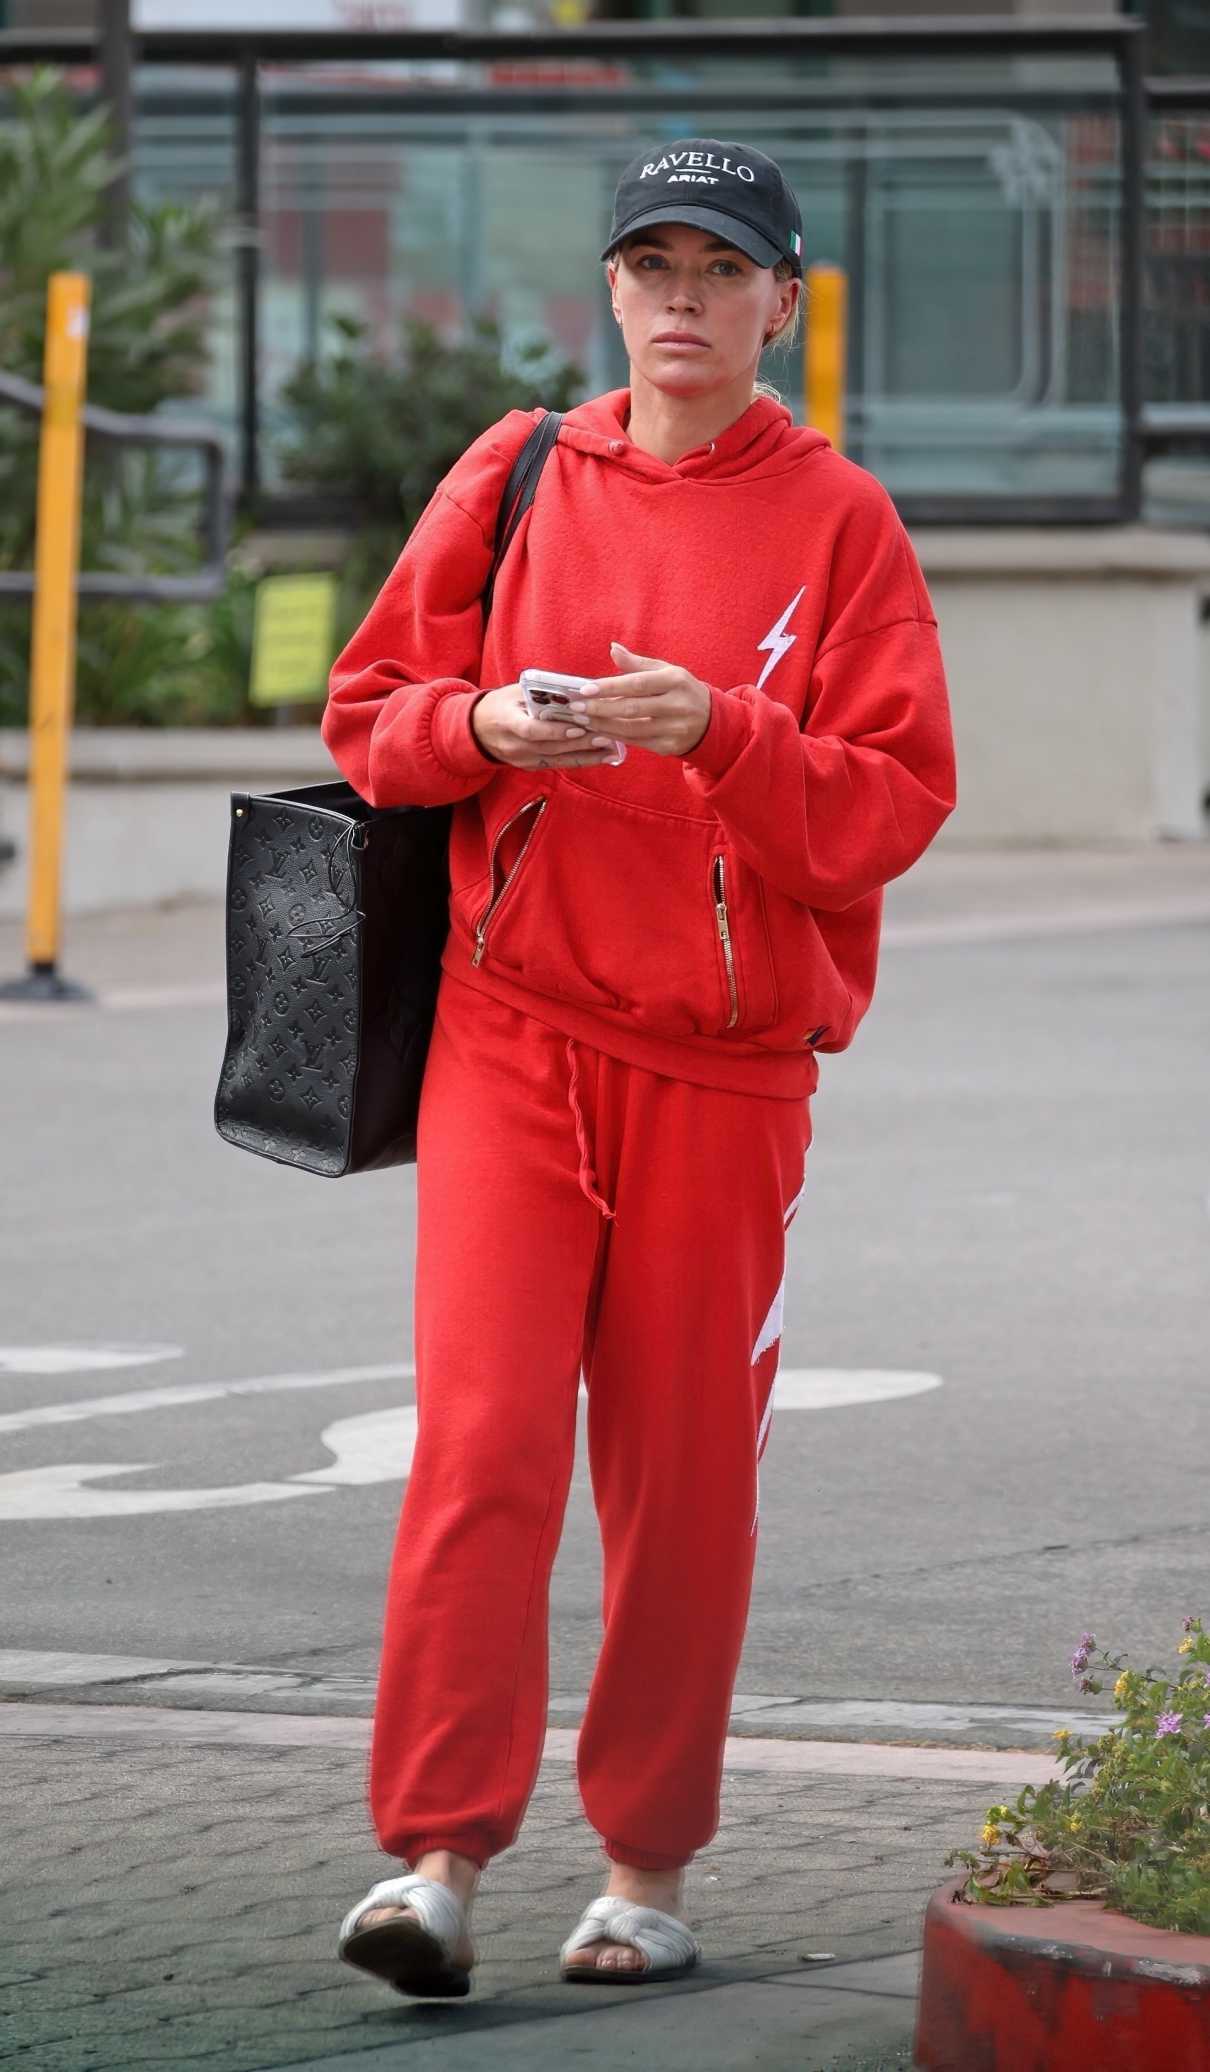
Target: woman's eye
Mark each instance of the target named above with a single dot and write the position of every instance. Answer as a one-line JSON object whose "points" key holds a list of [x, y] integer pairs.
{"points": [[727, 266], [650, 261]]}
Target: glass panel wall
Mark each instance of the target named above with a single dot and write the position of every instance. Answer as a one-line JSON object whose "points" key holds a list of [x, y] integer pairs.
{"points": [[974, 201]]}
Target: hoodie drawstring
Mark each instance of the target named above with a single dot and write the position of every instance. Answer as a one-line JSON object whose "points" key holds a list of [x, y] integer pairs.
{"points": [[588, 1178]]}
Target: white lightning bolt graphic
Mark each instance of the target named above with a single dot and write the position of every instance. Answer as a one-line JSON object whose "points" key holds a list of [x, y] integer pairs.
{"points": [[777, 640]]}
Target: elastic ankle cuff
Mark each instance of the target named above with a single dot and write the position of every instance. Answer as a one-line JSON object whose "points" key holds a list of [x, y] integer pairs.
{"points": [[643, 1859]]}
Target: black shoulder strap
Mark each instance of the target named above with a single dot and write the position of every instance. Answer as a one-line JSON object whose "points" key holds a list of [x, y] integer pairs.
{"points": [[519, 493]]}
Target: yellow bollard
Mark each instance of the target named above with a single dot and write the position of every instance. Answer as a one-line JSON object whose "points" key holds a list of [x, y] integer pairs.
{"points": [[53, 652], [825, 350]]}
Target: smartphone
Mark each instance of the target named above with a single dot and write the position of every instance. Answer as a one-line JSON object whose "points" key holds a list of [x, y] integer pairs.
{"points": [[548, 694]]}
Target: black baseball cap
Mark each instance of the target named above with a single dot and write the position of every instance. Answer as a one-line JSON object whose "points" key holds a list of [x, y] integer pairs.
{"points": [[730, 189]]}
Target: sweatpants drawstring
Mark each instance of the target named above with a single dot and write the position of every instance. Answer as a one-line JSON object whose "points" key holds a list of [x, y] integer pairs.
{"points": [[588, 1178]]}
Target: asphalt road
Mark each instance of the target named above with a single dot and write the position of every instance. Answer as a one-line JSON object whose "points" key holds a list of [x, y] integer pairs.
{"points": [[1008, 1190]]}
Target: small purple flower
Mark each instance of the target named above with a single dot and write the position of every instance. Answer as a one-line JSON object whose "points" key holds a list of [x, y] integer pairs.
{"points": [[1088, 1683], [1088, 1640], [1206, 1721], [1168, 1723], [1190, 1623]]}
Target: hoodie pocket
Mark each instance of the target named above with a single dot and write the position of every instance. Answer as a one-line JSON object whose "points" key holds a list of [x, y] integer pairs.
{"points": [[634, 910]]}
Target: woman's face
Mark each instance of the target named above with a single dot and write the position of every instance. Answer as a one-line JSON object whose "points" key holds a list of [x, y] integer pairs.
{"points": [[695, 312]]}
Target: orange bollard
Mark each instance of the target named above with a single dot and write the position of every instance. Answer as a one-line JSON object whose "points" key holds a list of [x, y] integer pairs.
{"points": [[825, 350]]}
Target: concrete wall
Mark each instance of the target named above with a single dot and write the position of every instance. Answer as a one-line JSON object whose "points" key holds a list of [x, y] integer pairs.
{"points": [[1078, 669], [1078, 664]]}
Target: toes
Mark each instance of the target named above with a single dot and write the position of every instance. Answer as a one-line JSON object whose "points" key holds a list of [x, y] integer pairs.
{"points": [[607, 1956]]}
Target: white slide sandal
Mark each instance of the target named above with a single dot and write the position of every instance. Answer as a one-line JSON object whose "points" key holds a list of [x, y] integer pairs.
{"points": [[414, 1956], [665, 1942]]}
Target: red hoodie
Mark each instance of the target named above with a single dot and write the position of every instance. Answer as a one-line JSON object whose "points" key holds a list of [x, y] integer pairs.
{"points": [[713, 917]]}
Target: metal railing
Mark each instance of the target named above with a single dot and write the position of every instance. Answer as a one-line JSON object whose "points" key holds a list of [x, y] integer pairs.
{"points": [[202, 584]]}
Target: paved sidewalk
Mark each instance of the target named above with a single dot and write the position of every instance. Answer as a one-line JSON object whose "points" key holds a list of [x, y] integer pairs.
{"points": [[172, 1903]]}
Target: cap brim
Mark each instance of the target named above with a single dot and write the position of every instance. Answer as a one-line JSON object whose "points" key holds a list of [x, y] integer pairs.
{"points": [[741, 235]]}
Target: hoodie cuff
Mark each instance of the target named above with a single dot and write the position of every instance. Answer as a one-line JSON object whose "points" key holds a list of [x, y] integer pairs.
{"points": [[725, 737], [452, 736]]}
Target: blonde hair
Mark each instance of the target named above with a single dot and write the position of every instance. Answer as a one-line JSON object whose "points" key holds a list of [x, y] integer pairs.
{"points": [[790, 331]]}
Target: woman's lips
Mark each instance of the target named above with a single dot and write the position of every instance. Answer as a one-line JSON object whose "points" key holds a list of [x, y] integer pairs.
{"points": [[681, 340]]}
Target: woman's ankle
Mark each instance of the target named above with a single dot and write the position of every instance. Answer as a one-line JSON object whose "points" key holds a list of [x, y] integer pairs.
{"points": [[647, 1888], [460, 1873]]}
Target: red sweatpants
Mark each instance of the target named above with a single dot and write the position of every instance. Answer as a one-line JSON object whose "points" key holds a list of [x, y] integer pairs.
{"points": [[577, 1211]]}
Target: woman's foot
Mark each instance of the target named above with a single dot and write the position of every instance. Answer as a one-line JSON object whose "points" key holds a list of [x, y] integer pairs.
{"points": [[662, 1889], [447, 1868]]}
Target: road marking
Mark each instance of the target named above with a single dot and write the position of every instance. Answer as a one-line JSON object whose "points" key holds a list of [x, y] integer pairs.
{"points": [[80, 1359], [837, 1388], [293, 1730], [28, 1669], [181, 1393], [376, 1446], [63, 1492]]}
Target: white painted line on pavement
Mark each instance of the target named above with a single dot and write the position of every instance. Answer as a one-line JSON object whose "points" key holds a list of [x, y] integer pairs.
{"points": [[836, 1388], [81, 1359], [290, 1730], [376, 1446], [179, 1393]]}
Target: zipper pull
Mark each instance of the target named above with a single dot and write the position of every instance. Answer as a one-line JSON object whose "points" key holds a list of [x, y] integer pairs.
{"points": [[479, 942], [724, 924]]}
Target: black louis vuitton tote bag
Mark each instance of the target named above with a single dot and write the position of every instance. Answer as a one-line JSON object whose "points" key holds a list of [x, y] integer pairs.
{"points": [[337, 914]]}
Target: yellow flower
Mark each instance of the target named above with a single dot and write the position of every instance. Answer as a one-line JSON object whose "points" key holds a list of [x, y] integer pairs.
{"points": [[1122, 1685], [1187, 1645], [991, 1836], [1073, 1825], [1062, 1735]]}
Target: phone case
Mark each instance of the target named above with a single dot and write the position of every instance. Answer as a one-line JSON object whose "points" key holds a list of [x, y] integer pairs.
{"points": [[544, 688]]}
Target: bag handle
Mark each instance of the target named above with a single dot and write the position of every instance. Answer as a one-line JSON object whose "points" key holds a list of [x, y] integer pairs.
{"points": [[519, 493]]}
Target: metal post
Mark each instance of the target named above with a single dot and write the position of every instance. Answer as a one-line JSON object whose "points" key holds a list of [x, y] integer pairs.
{"points": [[117, 89], [53, 654], [825, 351], [1133, 205], [248, 295]]}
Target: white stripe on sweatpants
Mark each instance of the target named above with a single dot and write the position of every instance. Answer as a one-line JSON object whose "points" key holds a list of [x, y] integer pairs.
{"points": [[768, 1335]]}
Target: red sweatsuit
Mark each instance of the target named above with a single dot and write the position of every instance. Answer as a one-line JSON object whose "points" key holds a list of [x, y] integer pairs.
{"points": [[642, 963]]}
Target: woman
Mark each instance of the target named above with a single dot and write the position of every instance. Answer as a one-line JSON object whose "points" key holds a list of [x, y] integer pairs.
{"points": [[643, 960]]}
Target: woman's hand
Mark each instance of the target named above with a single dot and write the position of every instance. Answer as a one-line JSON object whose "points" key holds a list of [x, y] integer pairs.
{"points": [[503, 728], [652, 704]]}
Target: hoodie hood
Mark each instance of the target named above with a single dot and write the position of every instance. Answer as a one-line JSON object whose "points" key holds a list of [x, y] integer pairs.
{"points": [[764, 440]]}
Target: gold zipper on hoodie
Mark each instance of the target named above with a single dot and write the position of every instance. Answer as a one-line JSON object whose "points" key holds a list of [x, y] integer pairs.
{"points": [[724, 935], [481, 926]]}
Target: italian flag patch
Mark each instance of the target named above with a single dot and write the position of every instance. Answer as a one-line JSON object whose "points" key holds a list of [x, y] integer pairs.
{"points": [[796, 244]]}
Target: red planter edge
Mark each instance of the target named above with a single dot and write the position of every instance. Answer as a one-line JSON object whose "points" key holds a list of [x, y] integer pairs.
{"points": [[1068, 1988]]}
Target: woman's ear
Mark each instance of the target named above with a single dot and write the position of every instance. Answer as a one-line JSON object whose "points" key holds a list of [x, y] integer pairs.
{"points": [[611, 275], [787, 302]]}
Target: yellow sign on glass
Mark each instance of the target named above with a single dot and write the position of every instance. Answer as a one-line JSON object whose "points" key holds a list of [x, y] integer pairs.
{"points": [[292, 639]]}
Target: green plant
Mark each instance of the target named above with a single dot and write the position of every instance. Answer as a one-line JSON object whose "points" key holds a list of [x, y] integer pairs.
{"points": [[146, 347], [1130, 1824], [382, 433]]}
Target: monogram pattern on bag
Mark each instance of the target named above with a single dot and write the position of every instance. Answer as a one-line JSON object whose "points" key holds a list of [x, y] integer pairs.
{"points": [[293, 1010]]}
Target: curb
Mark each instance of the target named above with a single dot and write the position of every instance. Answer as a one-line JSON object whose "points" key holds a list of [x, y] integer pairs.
{"points": [[1059, 1989]]}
